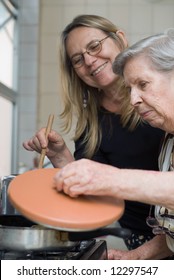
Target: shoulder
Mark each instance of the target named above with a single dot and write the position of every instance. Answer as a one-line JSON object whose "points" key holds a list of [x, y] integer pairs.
{"points": [[142, 126]]}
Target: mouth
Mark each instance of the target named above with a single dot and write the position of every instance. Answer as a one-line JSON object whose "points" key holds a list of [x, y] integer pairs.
{"points": [[144, 115], [99, 69]]}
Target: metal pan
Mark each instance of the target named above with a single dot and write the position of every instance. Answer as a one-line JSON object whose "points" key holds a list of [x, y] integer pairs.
{"points": [[38, 238], [9, 216], [33, 239], [6, 207]]}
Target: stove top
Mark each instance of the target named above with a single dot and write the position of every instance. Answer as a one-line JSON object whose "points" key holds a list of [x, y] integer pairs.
{"points": [[86, 250]]}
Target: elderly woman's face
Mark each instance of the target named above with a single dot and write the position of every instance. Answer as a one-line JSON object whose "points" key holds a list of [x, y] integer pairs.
{"points": [[96, 70], [152, 92]]}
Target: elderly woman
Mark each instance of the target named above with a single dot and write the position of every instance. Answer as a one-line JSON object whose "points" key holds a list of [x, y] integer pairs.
{"points": [[148, 71]]}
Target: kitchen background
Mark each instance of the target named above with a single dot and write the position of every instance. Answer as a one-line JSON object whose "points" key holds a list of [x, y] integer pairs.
{"points": [[29, 71]]}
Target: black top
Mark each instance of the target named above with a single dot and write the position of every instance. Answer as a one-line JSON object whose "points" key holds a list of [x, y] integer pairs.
{"points": [[120, 147]]}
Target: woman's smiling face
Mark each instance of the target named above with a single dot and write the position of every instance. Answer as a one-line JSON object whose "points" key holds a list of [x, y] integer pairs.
{"points": [[152, 92], [96, 70]]}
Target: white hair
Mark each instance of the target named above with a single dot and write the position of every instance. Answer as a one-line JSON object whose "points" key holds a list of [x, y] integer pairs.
{"points": [[158, 48]]}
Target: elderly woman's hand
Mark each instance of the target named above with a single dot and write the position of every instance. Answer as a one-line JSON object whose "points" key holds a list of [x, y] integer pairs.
{"points": [[123, 255], [155, 249], [85, 177], [56, 149]]}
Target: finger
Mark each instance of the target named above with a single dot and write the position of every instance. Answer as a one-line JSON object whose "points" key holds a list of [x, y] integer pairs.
{"points": [[72, 190], [60, 185], [54, 137], [68, 185], [41, 139], [114, 255], [64, 185], [34, 143], [66, 172], [110, 255], [26, 146], [58, 181]]}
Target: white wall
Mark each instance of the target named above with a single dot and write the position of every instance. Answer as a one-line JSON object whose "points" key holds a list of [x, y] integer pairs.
{"points": [[40, 28], [28, 75]]}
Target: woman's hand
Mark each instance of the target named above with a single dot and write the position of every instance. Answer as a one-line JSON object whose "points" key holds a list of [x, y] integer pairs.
{"points": [[85, 177], [122, 255], [154, 249], [56, 149]]}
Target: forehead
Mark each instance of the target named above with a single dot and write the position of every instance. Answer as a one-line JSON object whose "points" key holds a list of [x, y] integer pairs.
{"points": [[79, 37], [136, 67]]}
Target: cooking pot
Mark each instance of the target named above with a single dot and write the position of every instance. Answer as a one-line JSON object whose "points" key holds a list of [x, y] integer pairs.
{"points": [[8, 213], [6, 206], [39, 238], [32, 239]]}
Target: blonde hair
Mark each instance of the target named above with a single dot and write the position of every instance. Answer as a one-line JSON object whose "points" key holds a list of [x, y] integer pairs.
{"points": [[74, 89]]}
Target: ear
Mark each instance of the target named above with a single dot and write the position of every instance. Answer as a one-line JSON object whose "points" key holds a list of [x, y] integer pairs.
{"points": [[122, 36]]}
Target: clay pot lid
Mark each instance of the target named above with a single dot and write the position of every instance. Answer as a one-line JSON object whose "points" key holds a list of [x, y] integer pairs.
{"points": [[34, 196]]}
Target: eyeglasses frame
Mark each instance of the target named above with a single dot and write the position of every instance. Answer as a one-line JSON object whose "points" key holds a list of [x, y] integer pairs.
{"points": [[157, 229], [88, 52]]}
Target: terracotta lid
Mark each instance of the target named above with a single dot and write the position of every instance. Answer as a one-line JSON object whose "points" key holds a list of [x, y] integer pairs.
{"points": [[33, 194]]}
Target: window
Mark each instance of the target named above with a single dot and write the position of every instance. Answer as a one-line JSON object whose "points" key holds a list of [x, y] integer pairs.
{"points": [[8, 95], [6, 136]]}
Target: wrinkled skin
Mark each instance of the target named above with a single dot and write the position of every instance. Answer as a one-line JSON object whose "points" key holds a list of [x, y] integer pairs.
{"points": [[154, 249], [84, 177]]}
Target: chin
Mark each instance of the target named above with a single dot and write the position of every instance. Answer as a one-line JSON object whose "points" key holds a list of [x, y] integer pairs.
{"points": [[157, 125]]}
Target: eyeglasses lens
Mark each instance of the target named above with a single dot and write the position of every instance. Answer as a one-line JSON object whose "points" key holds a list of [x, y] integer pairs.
{"points": [[93, 49]]}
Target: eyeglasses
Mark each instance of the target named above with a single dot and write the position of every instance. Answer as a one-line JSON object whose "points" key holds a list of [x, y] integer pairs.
{"points": [[92, 49], [154, 223]]}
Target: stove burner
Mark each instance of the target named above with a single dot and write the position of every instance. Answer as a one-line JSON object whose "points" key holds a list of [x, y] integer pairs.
{"points": [[88, 249]]}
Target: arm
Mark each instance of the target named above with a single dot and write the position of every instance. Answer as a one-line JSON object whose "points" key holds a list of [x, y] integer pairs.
{"points": [[155, 249], [151, 187], [56, 149]]}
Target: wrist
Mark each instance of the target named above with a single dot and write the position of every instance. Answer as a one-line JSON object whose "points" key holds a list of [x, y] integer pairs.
{"points": [[60, 160]]}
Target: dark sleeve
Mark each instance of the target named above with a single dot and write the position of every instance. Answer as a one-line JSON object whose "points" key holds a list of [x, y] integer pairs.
{"points": [[80, 148]]}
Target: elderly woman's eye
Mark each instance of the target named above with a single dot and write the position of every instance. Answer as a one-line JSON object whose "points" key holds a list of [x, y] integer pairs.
{"points": [[143, 84]]}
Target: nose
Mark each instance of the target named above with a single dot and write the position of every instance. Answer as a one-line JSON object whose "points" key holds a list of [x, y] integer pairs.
{"points": [[135, 97], [89, 59]]}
